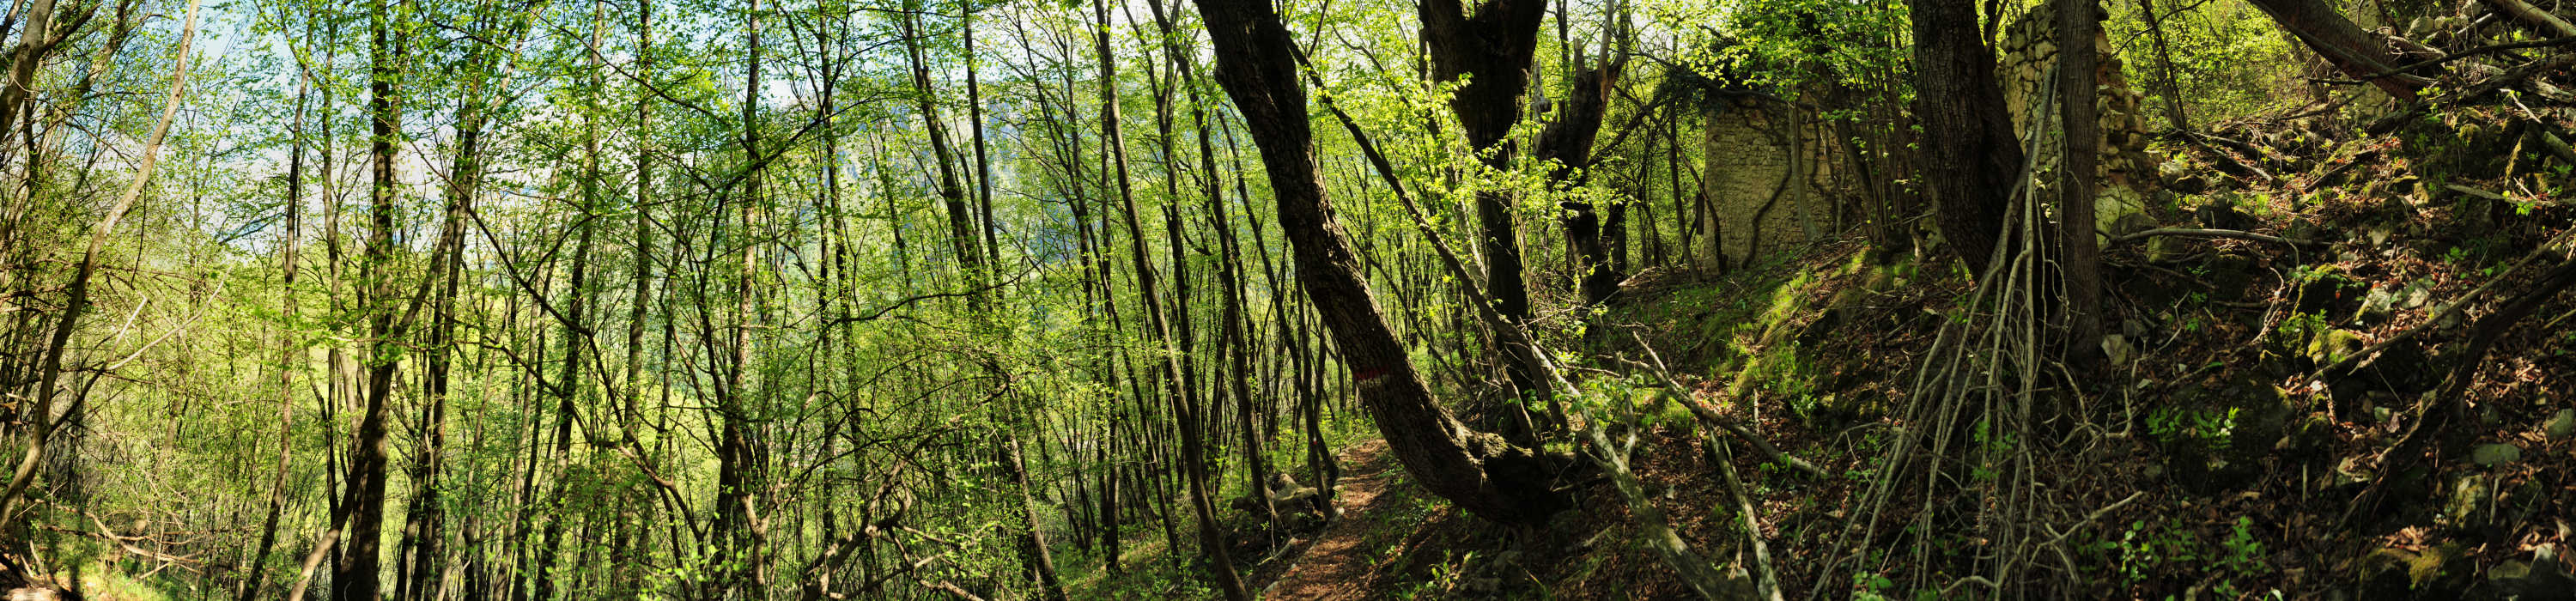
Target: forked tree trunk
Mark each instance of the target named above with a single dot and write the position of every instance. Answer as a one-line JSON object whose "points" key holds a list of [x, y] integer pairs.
{"points": [[1477, 471], [1492, 48]]}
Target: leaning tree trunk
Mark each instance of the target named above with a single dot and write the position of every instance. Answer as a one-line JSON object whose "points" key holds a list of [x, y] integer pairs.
{"points": [[2345, 45], [1477, 471]]}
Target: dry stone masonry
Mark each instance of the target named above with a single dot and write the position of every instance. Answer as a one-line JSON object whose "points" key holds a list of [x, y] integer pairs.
{"points": [[2126, 173], [1765, 194]]}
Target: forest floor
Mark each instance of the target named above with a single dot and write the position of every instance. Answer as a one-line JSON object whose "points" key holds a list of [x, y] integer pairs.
{"points": [[2222, 459], [1331, 565]]}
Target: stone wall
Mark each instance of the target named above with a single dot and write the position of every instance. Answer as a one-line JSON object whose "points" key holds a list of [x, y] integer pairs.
{"points": [[1748, 163], [1763, 197], [2126, 173]]}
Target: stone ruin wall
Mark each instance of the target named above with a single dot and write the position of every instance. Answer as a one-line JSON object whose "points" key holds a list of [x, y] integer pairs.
{"points": [[2127, 175], [1757, 209], [1747, 160]]}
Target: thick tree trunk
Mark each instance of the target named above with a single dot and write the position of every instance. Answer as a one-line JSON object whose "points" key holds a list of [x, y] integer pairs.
{"points": [[1969, 154], [1477, 471], [741, 470]]}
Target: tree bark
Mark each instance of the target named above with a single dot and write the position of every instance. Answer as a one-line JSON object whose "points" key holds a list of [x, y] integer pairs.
{"points": [[1176, 393], [1568, 141], [2079, 250], [1969, 154], [355, 576]]}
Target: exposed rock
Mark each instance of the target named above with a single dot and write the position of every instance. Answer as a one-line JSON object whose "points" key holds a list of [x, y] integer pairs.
{"points": [[2334, 344], [2403, 574], [2130, 222], [2542, 580], [2491, 455], [2168, 249], [2224, 217], [2468, 503], [2117, 348], [2561, 424], [2377, 304]]}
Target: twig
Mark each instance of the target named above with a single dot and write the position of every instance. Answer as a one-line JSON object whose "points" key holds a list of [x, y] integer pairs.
{"points": [[2481, 50], [2391, 121], [2454, 387], [946, 587], [1653, 528], [2096, 516]]}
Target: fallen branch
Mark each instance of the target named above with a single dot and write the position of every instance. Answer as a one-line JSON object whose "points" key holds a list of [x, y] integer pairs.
{"points": [[2096, 516], [2225, 148], [1766, 581], [2533, 14], [947, 587], [2388, 123], [2448, 312], [2211, 233], [2473, 52], [2558, 147], [2452, 396], [2474, 192], [1653, 528], [1711, 417]]}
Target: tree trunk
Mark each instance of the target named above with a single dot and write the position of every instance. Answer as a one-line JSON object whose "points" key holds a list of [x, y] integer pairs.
{"points": [[1971, 159], [2166, 83], [1568, 141], [355, 577], [1492, 48], [1158, 327], [290, 351], [2343, 44], [2079, 252]]}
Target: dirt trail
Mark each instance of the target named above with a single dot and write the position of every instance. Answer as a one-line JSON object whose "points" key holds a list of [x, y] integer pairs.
{"points": [[1331, 567]]}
